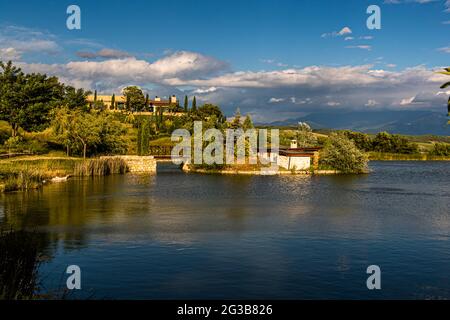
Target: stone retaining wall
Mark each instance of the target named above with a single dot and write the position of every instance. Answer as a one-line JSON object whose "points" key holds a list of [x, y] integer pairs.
{"points": [[139, 164]]}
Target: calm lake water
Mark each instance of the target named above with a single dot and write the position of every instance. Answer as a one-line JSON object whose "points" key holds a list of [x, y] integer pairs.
{"points": [[176, 235]]}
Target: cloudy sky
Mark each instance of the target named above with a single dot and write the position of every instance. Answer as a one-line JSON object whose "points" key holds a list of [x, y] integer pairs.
{"points": [[273, 59]]}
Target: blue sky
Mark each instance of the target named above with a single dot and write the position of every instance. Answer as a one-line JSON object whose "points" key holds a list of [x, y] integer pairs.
{"points": [[274, 59]]}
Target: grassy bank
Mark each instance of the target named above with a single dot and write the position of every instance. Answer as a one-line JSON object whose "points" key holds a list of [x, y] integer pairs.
{"points": [[25, 173], [384, 156]]}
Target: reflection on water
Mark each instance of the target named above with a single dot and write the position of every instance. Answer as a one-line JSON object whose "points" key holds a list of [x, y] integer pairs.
{"points": [[176, 235]]}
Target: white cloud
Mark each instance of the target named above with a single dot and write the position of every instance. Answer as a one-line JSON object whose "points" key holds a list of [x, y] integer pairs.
{"points": [[276, 100], [274, 62], [349, 38], [344, 31], [258, 91], [205, 90], [407, 101], [23, 40], [294, 100], [445, 49], [362, 47], [371, 103], [7, 54]]}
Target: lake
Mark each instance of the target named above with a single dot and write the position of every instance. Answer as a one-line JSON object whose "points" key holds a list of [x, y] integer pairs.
{"points": [[176, 235]]}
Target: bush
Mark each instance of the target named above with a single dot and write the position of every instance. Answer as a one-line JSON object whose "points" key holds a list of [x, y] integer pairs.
{"points": [[340, 153], [393, 143], [361, 140], [440, 149]]}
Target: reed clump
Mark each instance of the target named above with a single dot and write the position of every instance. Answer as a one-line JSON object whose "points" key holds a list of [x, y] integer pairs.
{"points": [[19, 262], [101, 167]]}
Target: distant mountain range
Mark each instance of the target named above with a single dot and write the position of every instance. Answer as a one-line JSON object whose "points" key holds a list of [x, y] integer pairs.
{"points": [[401, 122]]}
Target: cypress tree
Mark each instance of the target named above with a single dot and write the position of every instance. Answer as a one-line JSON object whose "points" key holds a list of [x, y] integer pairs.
{"points": [[113, 102], [145, 139], [95, 96], [194, 105], [139, 140], [146, 102], [186, 104]]}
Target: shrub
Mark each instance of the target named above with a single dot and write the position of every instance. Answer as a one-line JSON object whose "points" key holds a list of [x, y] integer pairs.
{"points": [[393, 143], [361, 140], [340, 153], [440, 149]]}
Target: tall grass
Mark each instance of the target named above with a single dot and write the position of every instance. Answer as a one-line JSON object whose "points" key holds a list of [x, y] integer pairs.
{"points": [[101, 167], [19, 262], [402, 157], [23, 180]]}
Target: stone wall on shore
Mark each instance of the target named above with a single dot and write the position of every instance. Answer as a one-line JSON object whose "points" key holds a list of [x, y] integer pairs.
{"points": [[138, 164]]}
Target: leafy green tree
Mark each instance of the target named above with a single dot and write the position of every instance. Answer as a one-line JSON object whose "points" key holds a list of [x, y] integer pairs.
{"points": [[340, 153], [208, 110], [75, 98], [89, 132], [135, 98], [12, 80], [186, 102], [305, 136], [393, 143], [440, 149], [26, 100], [362, 141]]}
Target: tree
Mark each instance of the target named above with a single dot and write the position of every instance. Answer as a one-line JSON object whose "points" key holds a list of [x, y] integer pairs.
{"points": [[75, 98], [11, 81], [147, 101], [113, 102], [135, 98], [393, 143], [62, 124], [305, 136], [26, 100], [143, 137], [95, 95], [208, 110], [236, 123], [194, 105], [440, 149], [361, 140], [340, 153], [88, 131], [248, 123], [186, 102]]}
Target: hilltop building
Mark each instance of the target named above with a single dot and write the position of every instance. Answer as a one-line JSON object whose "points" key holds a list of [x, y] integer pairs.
{"points": [[154, 105]]}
